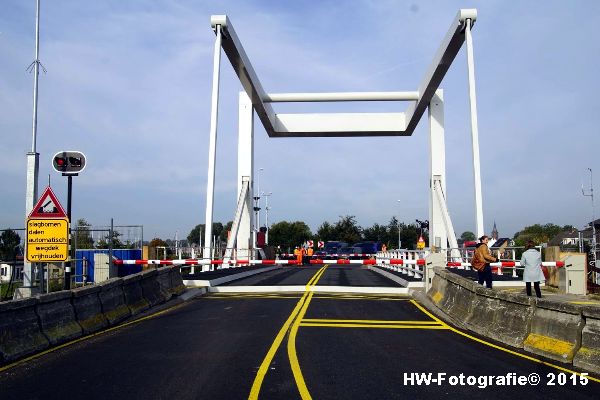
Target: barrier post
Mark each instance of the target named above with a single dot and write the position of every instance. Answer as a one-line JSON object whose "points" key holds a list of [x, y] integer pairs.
{"points": [[431, 261]]}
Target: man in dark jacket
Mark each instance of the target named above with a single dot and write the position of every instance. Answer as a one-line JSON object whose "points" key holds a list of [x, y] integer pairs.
{"points": [[481, 262]]}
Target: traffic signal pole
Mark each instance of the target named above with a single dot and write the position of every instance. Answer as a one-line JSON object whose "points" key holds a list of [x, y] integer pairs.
{"points": [[68, 262]]}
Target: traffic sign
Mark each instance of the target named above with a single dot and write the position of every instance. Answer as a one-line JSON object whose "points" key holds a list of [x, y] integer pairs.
{"points": [[321, 244], [309, 243], [47, 206], [47, 239], [421, 243], [69, 162]]}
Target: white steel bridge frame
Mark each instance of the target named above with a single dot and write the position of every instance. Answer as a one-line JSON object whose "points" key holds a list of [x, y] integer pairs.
{"points": [[254, 98]]}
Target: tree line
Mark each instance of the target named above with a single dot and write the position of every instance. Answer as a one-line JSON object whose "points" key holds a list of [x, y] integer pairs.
{"points": [[288, 234]]}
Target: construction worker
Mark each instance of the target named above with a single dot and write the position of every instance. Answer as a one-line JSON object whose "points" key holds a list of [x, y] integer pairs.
{"points": [[383, 247], [309, 254], [298, 254]]}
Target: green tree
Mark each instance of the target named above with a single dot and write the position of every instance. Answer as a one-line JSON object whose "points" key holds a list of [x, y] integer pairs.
{"points": [[225, 230], [9, 244], [347, 230], [539, 233], [217, 230], [83, 236], [467, 236], [106, 241], [377, 233], [289, 234], [326, 232]]}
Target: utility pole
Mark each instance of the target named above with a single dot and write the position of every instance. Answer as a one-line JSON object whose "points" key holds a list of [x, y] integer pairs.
{"points": [[267, 208], [399, 239], [33, 157], [594, 244]]}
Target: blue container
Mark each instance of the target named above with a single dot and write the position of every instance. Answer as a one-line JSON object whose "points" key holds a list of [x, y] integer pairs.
{"points": [[123, 254]]}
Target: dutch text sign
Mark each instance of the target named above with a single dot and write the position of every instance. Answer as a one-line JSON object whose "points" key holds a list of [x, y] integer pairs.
{"points": [[47, 239]]}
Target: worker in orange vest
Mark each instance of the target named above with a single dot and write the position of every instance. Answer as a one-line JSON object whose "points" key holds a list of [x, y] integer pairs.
{"points": [[309, 254], [298, 254]]}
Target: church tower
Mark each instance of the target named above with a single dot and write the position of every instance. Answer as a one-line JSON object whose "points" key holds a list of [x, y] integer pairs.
{"points": [[495, 232]]}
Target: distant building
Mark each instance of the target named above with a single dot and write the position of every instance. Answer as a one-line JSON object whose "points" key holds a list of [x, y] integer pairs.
{"points": [[495, 232]]}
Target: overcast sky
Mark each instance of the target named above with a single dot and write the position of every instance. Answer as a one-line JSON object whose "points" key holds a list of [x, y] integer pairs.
{"points": [[129, 84]]}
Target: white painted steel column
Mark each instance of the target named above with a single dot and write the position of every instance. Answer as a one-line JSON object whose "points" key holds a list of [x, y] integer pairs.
{"points": [[437, 168], [245, 168], [474, 132], [33, 157], [212, 148]]}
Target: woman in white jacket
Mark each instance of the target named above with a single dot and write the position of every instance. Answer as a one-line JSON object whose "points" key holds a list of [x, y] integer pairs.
{"points": [[532, 269]]}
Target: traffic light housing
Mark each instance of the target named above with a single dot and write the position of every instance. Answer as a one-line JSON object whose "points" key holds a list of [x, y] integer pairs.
{"points": [[69, 162]]}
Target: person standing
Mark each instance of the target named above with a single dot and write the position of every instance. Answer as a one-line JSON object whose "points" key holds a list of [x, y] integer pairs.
{"points": [[531, 261], [298, 255], [481, 262]]}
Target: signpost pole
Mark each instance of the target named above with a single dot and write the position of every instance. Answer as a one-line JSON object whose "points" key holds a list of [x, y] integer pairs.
{"points": [[68, 262]]}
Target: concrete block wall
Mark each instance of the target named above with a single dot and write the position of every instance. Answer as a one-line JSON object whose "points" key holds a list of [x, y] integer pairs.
{"points": [[28, 326], [569, 333]]}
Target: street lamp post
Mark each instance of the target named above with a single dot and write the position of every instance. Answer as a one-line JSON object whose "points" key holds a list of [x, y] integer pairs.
{"points": [[267, 208], [399, 239], [594, 244]]}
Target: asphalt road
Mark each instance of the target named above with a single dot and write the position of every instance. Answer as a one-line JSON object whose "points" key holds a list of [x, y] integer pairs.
{"points": [[276, 346]]}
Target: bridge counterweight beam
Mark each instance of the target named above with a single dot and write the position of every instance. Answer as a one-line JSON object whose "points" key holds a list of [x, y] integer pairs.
{"points": [[212, 149], [438, 236], [245, 169], [474, 130]]}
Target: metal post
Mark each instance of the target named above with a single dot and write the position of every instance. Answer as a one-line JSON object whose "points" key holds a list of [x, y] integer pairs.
{"points": [[399, 239], [110, 247], [267, 217], [33, 158], [474, 131], [67, 284], [212, 148], [258, 199], [594, 244]]}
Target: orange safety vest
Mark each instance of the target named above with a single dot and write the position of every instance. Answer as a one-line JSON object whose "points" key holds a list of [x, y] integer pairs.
{"points": [[309, 252]]}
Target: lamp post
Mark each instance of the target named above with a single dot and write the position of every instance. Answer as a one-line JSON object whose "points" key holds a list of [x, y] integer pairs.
{"points": [[399, 239], [257, 198], [267, 208], [594, 244]]}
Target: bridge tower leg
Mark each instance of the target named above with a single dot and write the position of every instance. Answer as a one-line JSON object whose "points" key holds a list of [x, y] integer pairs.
{"points": [[244, 246], [438, 236]]}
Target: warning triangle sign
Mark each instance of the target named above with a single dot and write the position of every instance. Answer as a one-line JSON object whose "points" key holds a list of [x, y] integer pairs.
{"points": [[48, 206]]}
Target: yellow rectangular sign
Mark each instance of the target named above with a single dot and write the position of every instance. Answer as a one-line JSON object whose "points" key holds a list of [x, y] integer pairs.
{"points": [[47, 240]]}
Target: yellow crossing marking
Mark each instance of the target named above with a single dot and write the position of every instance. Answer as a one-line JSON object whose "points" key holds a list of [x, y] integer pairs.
{"points": [[264, 366], [384, 326], [370, 321]]}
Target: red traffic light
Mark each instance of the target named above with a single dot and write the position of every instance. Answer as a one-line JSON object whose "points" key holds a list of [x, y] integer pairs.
{"points": [[69, 162]]}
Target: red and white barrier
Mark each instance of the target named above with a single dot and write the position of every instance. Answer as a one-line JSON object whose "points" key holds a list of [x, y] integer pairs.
{"points": [[506, 264], [204, 262]]}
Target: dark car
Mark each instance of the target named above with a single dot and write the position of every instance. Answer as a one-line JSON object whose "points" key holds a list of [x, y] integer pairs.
{"points": [[333, 247], [349, 252], [367, 248]]}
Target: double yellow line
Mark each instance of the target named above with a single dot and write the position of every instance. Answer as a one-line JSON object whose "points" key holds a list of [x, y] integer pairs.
{"points": [[293, 321]]}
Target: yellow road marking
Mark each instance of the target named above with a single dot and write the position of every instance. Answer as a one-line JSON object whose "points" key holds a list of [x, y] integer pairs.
{"points": [[386, 326], [81, 339], [495, 346], [549, 345], [291, 347], [370, 321], [264, 366]]}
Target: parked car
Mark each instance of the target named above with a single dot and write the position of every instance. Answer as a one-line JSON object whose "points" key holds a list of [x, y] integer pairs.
{"points": [[349, 252], [333, 247]]}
